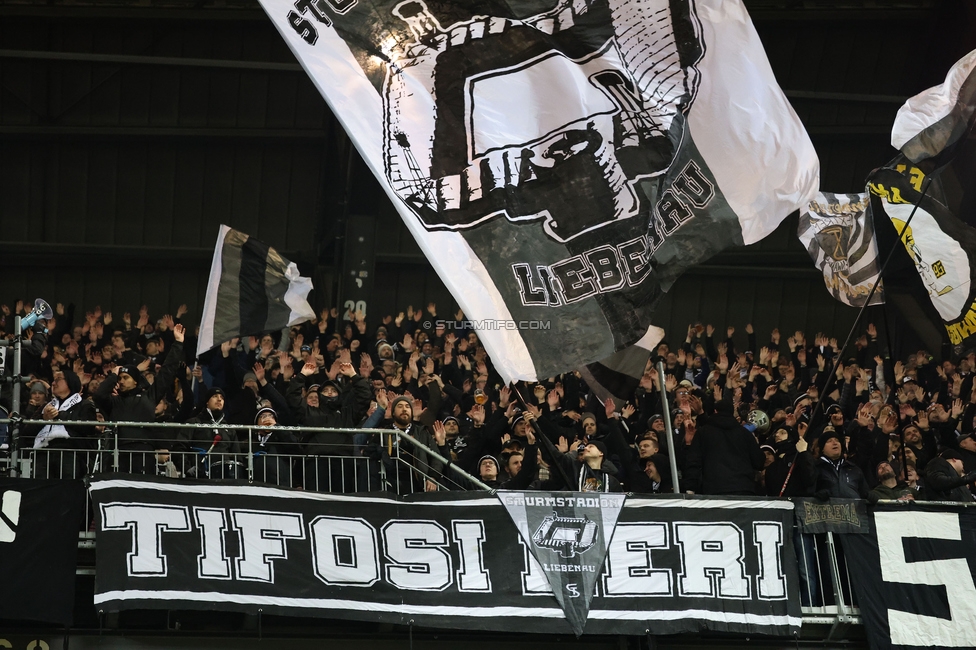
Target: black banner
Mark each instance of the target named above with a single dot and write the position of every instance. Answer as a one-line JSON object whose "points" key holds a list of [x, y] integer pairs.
{"points": [[452, 560], [913, 576], [833, 516], [39, 524]]}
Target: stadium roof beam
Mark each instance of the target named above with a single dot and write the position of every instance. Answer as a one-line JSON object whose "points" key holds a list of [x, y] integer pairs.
{"points": [[43, 131], [132, 59]]}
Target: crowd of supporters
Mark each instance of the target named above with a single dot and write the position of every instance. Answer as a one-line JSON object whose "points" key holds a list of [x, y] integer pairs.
{"points": [[750, 416]]}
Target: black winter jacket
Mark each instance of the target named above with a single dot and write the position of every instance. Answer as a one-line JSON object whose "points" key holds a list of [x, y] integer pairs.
{"points": [[943, 483], [138, 404], [346, 413], [841, 480], [724, 458]]}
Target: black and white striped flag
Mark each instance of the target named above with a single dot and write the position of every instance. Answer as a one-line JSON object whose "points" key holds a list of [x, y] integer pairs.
{"points": [[838, 232], [252, 289]]}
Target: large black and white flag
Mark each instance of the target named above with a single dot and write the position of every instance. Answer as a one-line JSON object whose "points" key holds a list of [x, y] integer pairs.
{"points": [[561, 162], [252, 289], [927, 198], [838, 232]]}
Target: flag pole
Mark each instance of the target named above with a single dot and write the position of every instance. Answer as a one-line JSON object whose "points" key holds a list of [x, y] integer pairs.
{"points": [[833, 366], [668, 428]]}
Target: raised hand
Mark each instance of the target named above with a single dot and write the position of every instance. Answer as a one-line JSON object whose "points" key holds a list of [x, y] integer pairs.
{"points": [[957, 408], [552, 398], [347, 369], [864, 415], [440, 433], [284, 361], [889, 424], [259, 372], [179, 333], [730, 331], [309, 369], [504, 397], [922, 420], [749, 329], [477, 414], [609, 407], [628, 410]]}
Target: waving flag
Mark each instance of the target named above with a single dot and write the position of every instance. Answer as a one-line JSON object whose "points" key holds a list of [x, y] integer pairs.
{"points": [[562, 162], [924, 204], [252, 289], [838, 233]]}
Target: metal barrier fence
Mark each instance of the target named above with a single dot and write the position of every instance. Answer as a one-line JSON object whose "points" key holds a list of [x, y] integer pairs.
{"points": [[383, 460]]}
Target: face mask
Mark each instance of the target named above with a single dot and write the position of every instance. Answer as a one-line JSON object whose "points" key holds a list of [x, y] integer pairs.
{"points": [[328, 401]]}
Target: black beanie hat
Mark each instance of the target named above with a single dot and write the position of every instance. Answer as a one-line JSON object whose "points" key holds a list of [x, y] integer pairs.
{"points": [[74, 384], [829, 433], [599, 445], [132, 371], [213, 391]]}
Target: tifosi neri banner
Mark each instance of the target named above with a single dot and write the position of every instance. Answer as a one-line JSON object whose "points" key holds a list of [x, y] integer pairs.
{"points": [[450, 560]]}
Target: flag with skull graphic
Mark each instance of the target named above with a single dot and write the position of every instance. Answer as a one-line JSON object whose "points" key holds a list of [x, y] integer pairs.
{"points": [[560, 162]]}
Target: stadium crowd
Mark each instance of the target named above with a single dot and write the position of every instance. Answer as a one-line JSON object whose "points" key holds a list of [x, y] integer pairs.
{"points": [[758, 419]]}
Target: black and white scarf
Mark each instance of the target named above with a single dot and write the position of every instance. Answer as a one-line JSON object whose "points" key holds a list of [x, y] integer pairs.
{"points": [[56, 430]]}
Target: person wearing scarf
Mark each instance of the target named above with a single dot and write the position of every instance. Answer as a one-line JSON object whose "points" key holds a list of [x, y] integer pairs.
{"points": [[200, 439], [59, 449]]}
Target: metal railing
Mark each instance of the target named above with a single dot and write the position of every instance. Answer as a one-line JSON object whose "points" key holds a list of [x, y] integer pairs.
{"points": [[384, 459]]}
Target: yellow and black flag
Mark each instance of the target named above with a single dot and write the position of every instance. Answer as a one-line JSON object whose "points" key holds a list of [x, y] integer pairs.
{"points": [[926, 197]]}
